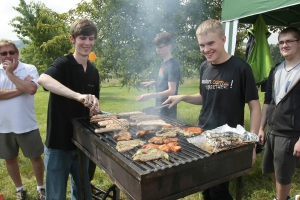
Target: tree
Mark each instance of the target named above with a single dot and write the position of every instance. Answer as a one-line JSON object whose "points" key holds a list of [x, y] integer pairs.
{"points": [[127, 28], [126, 31], [44, 33]]}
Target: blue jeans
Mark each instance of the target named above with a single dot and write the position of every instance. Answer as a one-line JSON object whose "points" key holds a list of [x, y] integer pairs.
{"points": [[59, 164]]}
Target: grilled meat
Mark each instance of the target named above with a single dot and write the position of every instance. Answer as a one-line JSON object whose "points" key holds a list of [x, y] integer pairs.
{"points": [[105, 130], [194, 130], [99, 118], [167, 133], [122, 135], [170, 147], [115, 123], [162, 140], [170, 126], [144, 132], [123, 146], [147, 154]]}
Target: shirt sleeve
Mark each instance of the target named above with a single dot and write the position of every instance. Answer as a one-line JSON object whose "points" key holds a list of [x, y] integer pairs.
{"points": [[34, 74], [56, 69]]}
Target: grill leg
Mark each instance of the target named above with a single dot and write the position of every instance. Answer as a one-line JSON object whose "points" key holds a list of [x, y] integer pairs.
{"points": [[113, 188], [239, 187], [79, 152]]}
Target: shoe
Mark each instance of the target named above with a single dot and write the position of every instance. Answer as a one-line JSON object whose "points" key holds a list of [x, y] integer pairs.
{"points": [[21, 195], [41, 194]]}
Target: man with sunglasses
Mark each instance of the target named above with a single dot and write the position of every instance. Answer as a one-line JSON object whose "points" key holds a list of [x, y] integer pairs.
{"points": [[18, 124], [168, 77], [281, 111]]}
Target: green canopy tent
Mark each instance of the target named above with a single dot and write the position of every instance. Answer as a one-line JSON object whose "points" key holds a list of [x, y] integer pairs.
{"points": [[274, 12]]}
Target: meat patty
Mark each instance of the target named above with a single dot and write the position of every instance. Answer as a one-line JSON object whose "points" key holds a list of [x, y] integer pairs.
{"points": [[144, 132], [123, 135], [147, 154], [123, 146], [162, 140], [170, 147]]}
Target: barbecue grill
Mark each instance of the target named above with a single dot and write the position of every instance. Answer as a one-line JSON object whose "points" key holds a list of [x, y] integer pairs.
{"points": [[187, 172]]}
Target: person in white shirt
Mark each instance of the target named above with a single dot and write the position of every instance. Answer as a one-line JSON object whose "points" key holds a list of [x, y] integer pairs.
{"points": [[18, 124]]}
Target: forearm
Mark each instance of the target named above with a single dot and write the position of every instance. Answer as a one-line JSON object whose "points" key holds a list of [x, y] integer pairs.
{"points": [[28, 87], [192, 99], [254, 116], [163, 94], [9, 94], [56, 87], [255, 121], [263, 121]]}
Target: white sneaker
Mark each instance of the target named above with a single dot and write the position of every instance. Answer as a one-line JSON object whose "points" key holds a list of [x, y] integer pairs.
{"points": [[41, 194]]}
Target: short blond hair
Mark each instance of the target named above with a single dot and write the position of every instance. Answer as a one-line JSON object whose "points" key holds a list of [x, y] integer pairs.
{"points": [[211, 25], [6, 42]]}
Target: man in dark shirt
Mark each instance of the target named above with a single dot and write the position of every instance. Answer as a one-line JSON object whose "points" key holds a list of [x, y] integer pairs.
{"points": [[73, 83], [168, 77], [226, 84], [281, 112]]}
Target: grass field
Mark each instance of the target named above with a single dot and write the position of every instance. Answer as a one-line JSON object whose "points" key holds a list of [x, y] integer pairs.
{"points": [[115, 99]]}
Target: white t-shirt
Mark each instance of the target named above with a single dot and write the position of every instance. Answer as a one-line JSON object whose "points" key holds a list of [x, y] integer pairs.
{"points": [[17, 114]]}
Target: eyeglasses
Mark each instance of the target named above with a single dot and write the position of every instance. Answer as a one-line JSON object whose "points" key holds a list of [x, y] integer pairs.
{"points": [[287, 42], [4, 53]]}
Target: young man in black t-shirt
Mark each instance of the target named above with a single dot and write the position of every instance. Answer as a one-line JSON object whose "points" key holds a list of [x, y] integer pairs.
{"points": [[72, 81], [168, 77], [226, 84]]}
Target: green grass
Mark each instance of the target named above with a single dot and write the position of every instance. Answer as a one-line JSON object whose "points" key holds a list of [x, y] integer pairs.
{"points": [[116, 99]]}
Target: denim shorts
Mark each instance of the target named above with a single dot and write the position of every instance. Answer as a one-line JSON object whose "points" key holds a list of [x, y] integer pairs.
{"points": [[59, 164], [30, 143], [278, 158]]}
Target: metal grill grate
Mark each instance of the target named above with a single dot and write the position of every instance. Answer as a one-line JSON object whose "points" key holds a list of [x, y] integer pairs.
{"points": [[188, 153]]}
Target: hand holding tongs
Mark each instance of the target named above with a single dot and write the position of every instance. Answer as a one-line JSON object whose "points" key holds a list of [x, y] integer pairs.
{"points": [[90, 105]]}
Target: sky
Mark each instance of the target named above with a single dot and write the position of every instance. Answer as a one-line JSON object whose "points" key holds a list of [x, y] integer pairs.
{"points": [[8, 13]]}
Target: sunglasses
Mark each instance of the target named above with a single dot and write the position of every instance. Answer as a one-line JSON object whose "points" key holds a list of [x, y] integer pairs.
{"points": [[4, 53]]}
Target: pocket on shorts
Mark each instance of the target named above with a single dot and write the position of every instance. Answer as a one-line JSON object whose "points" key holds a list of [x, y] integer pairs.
{"points": [[288, 146]]}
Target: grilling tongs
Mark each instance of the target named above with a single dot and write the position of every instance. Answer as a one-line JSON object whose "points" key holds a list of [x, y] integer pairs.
{"points": [[91, 104]]}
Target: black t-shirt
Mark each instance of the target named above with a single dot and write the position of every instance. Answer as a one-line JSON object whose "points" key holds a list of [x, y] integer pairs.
{"points": [[169, 72], [61, 110], [225, 88]]}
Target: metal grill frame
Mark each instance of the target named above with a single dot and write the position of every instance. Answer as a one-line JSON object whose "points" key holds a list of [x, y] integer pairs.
{"points": [[161, 179]]}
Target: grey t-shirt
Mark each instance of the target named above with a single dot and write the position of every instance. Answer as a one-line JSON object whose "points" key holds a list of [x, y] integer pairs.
{"points": [[283, 80]]}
